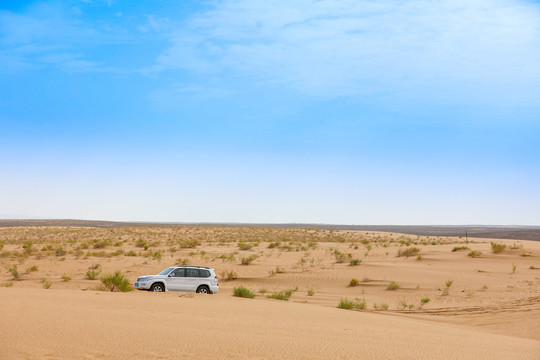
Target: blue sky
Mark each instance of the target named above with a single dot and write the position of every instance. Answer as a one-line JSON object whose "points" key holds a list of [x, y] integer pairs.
{"points": [[346, 112]]}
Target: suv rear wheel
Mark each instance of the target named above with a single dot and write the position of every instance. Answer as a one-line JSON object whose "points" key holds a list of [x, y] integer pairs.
{"points": [[203, 289]]}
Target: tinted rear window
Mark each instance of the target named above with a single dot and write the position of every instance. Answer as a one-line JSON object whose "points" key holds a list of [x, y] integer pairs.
{"points": [[204, 273]]}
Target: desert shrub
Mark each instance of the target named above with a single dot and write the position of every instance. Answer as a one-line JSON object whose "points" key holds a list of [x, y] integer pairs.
{"points": [[283, 295], [27, 247], [274, 244], [60, 252], [403, 304], [225, 257], [229, 275], [383, 306], [141, 243], [101, 244], [459, 248], [392, 286], [94, 266], [156, 255], [449, 283], [8, 284], [241, 291], [514, 267], [46, 284], [92, 274], [188, 244], [497, 248], [182, 261], [408, 252], [347, 304], [310, 292], [32, 268], [355, 262], [244, 246], [131, 253], [354, 282], [14, 271], [118, 252], [279, 270], [66, 277], [116, 282], [424, 301], [474, 253], [249, 259], [339, 256]]}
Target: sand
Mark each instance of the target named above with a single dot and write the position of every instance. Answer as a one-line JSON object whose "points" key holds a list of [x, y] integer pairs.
{"points": [[491, 311]]}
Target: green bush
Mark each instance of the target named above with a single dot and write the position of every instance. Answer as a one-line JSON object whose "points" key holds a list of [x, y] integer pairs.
{"points": [[458, 248], [408, 252], [424, 301], [14, 272], [244, 246], [116, 282], [347, 304], [284, 294], [241, 291], [383, 306], [392, 286], [355, 262], [249, 259], [497, 248], [354, 282], [66, 277], [92, 274], [474, 253], [339, 256]]}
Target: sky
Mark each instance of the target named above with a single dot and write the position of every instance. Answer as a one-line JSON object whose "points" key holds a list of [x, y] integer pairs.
{"points": [[300, 111]]}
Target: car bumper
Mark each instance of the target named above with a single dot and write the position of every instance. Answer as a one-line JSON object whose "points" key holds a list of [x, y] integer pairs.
{"points": [[141, 285], [214, 289]]}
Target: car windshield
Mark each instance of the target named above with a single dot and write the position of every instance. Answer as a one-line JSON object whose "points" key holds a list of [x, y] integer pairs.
{"points": [[166, 271]]}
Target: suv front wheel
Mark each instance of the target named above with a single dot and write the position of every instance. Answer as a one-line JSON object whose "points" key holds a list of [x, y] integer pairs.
{"points": [[157, 288]]}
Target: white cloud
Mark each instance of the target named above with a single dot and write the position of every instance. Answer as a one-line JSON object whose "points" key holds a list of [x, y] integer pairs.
{"points": [[450, 49]]}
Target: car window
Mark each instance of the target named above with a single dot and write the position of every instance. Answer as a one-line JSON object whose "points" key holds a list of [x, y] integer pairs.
{"points": [[192, 273], [204, 273], [178, 273], [166, 271]]}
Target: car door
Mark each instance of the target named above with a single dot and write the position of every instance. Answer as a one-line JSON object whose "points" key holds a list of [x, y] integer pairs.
{"points": [[176, 280], [192, 279]]}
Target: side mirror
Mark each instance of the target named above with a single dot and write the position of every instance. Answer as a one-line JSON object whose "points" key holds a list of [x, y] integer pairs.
{"points": [[171, 275]]}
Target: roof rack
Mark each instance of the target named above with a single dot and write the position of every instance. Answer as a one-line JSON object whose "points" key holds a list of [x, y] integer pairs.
{"points": [[194, 266]]}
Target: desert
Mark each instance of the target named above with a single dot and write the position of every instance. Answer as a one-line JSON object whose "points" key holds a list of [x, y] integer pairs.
{"points": [[318, 294]]}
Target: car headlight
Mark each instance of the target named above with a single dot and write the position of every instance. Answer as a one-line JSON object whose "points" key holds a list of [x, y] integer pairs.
{"points": [[145, 278]]}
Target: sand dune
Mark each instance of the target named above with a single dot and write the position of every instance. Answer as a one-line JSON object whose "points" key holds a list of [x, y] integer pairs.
{"points": [[490, 310], [67, 324]]}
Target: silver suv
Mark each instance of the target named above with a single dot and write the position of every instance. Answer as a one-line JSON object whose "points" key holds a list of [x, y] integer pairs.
{"points": [[181, 278]]}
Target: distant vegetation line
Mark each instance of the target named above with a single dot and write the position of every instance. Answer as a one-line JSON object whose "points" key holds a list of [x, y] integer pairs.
{"points": [[482, 231]]}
